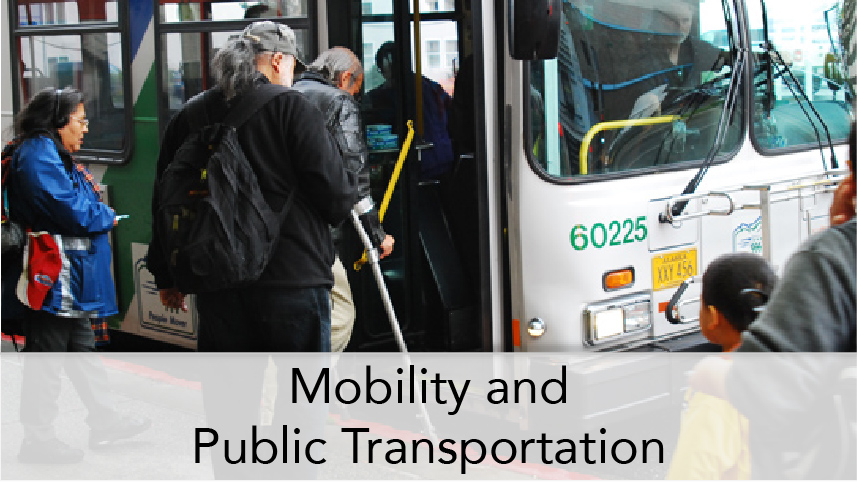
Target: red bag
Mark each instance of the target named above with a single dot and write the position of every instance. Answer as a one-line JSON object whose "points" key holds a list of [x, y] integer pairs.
{"points": [[42, 265]]}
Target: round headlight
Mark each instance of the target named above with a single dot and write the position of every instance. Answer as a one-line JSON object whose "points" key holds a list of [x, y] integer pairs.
{"points": [[536, 327]]}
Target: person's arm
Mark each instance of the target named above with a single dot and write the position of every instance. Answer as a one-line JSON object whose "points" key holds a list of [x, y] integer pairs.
{"points": [[328, 185], [52, 191], [810, 308], [348, 132]]}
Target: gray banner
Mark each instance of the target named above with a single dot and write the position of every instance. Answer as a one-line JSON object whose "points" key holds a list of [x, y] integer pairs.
{"points": [[434, 416]]}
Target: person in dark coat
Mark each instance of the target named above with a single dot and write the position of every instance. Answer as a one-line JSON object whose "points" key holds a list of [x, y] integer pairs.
{"points": [[331, 82]]}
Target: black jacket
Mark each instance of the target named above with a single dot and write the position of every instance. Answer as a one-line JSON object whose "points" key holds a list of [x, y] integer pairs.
{"points": [[289, 148], [342, 117]]}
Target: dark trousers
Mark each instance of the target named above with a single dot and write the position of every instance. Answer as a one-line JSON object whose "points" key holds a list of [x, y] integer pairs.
{"points": [[267, 320], [264, 319], [47, 336]]}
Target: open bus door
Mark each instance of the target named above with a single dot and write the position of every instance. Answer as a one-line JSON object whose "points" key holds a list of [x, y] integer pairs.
{"points": [[419, 66]]}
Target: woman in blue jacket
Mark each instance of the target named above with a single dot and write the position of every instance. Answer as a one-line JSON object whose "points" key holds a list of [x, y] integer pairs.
{"points": [[49, 192]]}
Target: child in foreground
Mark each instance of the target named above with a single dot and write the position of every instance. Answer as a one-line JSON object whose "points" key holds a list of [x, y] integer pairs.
{"points": [[714, 438]]}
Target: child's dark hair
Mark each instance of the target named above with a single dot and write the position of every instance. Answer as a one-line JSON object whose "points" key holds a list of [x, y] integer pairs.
{"points": [[738, 285]]}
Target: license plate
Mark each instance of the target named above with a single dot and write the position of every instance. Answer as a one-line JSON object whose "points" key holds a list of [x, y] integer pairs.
{"points": [[670, 269]]}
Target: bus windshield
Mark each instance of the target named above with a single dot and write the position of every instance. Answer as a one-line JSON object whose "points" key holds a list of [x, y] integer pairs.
{"points": [[636, 85]]}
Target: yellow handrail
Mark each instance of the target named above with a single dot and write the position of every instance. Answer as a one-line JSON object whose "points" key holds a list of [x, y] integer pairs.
{"points": [[391, 186], [618, 124]]}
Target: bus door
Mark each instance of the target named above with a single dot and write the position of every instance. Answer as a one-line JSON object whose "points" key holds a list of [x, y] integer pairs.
{"points": [[418, 67]]}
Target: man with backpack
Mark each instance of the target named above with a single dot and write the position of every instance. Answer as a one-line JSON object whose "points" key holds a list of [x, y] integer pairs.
{"points": [[302, 179], [260, 268]]}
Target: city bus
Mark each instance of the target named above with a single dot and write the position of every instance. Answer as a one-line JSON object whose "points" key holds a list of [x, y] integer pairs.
{"points": [[595, 154]]}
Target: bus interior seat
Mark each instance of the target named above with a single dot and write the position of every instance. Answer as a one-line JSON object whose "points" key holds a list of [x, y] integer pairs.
{"points": [[459, 330], [460, 195]]}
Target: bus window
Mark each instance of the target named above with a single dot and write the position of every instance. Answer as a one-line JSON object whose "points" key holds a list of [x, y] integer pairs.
{"points": [[185, 53], [79, 44], [807, 38], [646, 63], [66, 12], [230, 10], [374, 35]]}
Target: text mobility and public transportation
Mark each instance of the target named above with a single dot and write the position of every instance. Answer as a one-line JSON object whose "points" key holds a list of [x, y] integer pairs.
{"points": [[599, 153]]}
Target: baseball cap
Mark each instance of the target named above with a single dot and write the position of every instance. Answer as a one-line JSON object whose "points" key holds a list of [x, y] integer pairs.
{"points": [[275, 37]]}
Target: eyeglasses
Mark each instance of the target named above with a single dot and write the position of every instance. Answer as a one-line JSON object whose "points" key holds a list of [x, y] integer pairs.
{"points": [[83, 122]]}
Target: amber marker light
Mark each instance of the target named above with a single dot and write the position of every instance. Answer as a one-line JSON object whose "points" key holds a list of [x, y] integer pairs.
{"points": [[621, 278]]}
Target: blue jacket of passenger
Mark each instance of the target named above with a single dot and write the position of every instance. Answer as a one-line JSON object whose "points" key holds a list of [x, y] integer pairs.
{"points": [[47, 193]]}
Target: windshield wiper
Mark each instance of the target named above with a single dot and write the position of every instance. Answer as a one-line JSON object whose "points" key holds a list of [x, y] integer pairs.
{"points": [[783, 67], [726, 114], [799, 96], [689, 104]]}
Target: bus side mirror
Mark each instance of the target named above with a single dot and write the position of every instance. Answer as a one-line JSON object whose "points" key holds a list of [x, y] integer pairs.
{"points": [[534, 28]]}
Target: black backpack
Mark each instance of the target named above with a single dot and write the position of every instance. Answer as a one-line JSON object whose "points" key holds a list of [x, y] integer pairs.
{"points": [[215, 227]]}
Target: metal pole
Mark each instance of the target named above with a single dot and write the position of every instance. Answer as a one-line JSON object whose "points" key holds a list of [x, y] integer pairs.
{"points": [[765, 208], [374, 259]]}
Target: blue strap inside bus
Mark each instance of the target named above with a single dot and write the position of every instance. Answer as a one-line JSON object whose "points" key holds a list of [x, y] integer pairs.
{"points": [[594, 85]]}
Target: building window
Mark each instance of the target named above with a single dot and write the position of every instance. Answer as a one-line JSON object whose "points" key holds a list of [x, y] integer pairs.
{"points": [[451, 54], [433, 53]]}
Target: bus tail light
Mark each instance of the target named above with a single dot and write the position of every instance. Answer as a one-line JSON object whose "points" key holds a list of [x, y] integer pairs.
{"points": [[617, 318]]}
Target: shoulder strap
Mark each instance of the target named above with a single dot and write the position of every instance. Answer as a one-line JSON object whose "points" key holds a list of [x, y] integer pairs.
{"points": [[251, 102]]}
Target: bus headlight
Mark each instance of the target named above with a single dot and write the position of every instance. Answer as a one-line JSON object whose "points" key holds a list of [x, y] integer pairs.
{"points": [[536, 327], [608, 323], [616, 318]]}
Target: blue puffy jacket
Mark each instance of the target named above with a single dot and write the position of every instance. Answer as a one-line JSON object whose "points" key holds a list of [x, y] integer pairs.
{"points": [[46, 193]]}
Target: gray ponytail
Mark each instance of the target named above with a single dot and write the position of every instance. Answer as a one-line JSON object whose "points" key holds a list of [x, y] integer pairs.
{"points": [[234, 67]]}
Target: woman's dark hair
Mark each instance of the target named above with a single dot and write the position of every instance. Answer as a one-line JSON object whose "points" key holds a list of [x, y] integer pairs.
{"points": [[48, 110], [738, 285]]}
